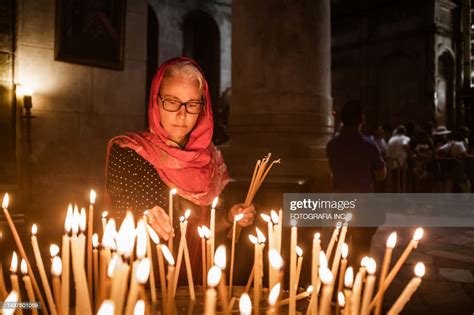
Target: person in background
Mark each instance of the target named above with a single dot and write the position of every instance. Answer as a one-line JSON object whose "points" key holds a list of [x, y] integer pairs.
{"points": [[378, 138]]}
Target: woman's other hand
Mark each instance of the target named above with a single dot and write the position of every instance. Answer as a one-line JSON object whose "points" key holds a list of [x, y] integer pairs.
{"points": [[159, 220], [248, 212]]}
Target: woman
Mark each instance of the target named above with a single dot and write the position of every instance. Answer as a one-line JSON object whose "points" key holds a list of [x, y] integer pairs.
{"points": [[175, 152]]}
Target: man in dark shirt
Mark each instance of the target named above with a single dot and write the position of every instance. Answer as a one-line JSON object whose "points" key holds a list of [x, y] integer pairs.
{"points": [[356, 163]]}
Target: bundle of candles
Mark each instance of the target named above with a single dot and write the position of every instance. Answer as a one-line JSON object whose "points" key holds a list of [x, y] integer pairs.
{"points": [[113, 279]]}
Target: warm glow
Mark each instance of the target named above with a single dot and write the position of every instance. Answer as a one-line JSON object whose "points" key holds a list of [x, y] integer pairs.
{"points": [[126, 236], [23, 267], [371, 266], [187, 213], [349, 277], [253, 239], [245, 305], [275, 218], [141, 239], [420, 269], [181, 219], [201, 234], [56, 266], [220, 257], [299, 251], [24, 90], [173, 191], [167, 254], [82, 224], [310, 289], [11, 298], [323, 261], [317, 236], [34, 229], [154, 237], [344, 250], [326, 275], [53, 250], [108, 238], [238, 217], [364, 261], [418, 234], [68, 221], [106, 308], [265, 217], [341, 299], [214, 276], [14, 263], [392, 240], [260, 236], [105, 214], [275, 259], [6, 200], [76, 218], [112, 265], [214, 202], [95, 240], [139, 308], [92, 196], [274, 293], [143, 271], [206, 232]]}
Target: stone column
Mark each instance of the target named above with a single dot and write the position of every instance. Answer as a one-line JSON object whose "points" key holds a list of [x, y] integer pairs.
{"points": [[281, 93]]}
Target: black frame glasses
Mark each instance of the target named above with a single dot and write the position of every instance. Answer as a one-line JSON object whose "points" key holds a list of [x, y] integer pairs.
{"points": [[187, 105]]}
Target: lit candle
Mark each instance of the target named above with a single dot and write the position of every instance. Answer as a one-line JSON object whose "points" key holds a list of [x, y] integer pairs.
{"points": [[28, 287], [292, 307], [245, 305], [144, 248], [203, 257], [357, 290], [95, 267], [220, 260], [187, 259], [337, 255], [213, 228], [40, 265], [341, 302], [279, 226], [276, 264], [14, 278], [90, 229], [268, 220], [53, 250], [326, 278], [21, 249], [108, 239], [11, 298], [207, 234], [141, 272], [348, 282], [106, 308], [161, 264], [173, 192], [104, 220], [299, 263], [237, 218], [391, 275], [119, 284], [3, 287], [139, 308], [65, 259], [369, 287], [344, 253], [182, 248], [82, 236], [169, 258], [333, 239], [391, 242], [56, 271], [213, 279], [314, 272], [414, 283], [273, 299]]}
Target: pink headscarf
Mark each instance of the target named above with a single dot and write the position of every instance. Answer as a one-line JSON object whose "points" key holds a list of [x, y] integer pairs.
{"points": [[198, 170]]}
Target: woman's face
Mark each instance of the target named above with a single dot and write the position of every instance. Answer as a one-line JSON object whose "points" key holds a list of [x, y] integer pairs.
{"points": [[178, 124]]}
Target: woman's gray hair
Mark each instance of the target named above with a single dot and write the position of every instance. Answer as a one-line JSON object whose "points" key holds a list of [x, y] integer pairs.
{"points": [[185, 69]]}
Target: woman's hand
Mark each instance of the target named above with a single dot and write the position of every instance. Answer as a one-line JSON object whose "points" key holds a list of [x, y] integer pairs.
{"points": [[248, 212], [159, 220]]}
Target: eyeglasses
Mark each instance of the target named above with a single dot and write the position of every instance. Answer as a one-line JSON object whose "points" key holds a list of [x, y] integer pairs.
{"points": [[171, 105]]}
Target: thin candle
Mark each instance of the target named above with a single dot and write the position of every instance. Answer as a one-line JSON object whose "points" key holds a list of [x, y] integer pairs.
{"points": [[299, 264], [237, 218], [220, 260], [333, 239], [327, 279], [213, 279], [141, 272], [95, 267], [65, 254], [144, 248], [369, 287], [187, 259], [171, 268], [159, 255], [90, 229], [14, 278], [213, 228], [391, 242], [314, 272], [3, 290], [273, 299], [344, 253], [56, 271], [292, 289], [173, 192], [357, 290], [408, 291], [348, 282], [53, 250], [341, 301], [28, 287]]}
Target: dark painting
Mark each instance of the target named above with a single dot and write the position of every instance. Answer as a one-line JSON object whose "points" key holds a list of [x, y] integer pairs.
{"points": [[90, 32]]}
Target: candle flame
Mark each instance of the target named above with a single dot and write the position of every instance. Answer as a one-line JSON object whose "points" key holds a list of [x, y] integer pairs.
{"points": [[76, 218], [187, 213], [338, 225], [323, 261], [83, 221], [420, 269], [112, 265], [326, 275], [104, 214], [34, 229], [154, 237], [317, 236], [69, 218], [344, 250], [57, 266], [95, 240], [126, 235], [14, 263], [275, 218], [371, 266], [106, 308], [6, 200], [238, 217], [108, 238], [349, 277], [53, 250], [253, 239], [214, 276], [141, 239], [310, 289], [139, 308], [341, 299], [167, 254], [220, 257], [275, 259], [260, 236], [173, 191], [92, 196], [181, 219], [392, 240], [11, 298], [206, 231], [143, 271], [245, 305], [201, 234], [364, 261], [299, 251], [23, 267], [265, 217], [214, 202], [274, 293], [418, 234]]}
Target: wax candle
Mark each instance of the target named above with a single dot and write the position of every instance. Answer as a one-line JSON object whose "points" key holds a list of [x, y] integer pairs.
{"points": [[187, 260], [237, 218], [65, 254], [3, 287], [12, 297], [245, 305], [203, 257], [357, 290], [173, 192], [144, 249], [268, 220], [56, 271], [391, 242], [333, 239], [326, 278], [28, 286], [139, 308], [344, 253], [119, 285], [82, 237], [161, 265], [180, 253], [90, 229], [276, 264], [314, 272], [106, 308], [213, 279], [369, 287], [337, 255], [213, 228], [273, 299], [141, 272], [169, 258], [299, 263], [14, 278], [414, 283], [221, 261], [292, 289], [95, 268], [341, 301], [40, 265], [348, 282]]}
